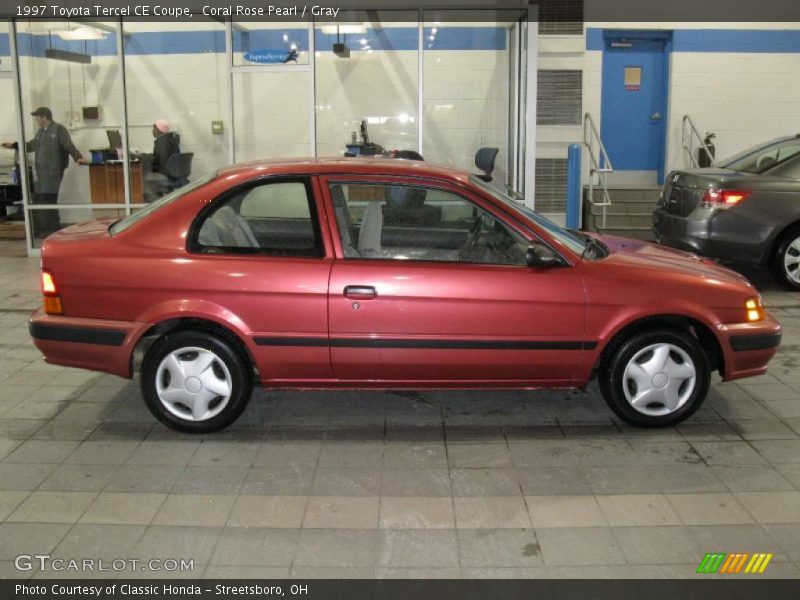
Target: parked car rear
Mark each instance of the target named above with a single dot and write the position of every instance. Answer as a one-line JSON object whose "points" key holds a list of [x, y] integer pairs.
{"points": [[746, 209]]}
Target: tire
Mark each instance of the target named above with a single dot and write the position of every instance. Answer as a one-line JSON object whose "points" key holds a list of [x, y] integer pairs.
{"points": [[214, 382], [667, 365], [786, 259]]}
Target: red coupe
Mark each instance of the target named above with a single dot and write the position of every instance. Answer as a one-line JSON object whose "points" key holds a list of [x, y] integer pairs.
{"points": [[385, 273]]}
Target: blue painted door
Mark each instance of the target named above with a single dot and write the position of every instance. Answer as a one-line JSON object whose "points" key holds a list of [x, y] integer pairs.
{"points": [[634, 98]]}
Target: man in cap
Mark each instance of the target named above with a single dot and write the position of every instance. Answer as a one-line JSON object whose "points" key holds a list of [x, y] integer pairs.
{"points": [[52, 146]]}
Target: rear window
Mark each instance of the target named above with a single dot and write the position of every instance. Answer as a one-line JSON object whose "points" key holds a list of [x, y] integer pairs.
{"points": [[763, 158], [132, 219]]}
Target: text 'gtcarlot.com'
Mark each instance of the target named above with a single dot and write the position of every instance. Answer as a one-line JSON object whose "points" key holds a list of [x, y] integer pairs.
{"points": [[44, 562]]}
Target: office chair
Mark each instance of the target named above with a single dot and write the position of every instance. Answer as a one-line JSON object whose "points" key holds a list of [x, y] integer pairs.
{"points": [[484, 160], [179, 167]]}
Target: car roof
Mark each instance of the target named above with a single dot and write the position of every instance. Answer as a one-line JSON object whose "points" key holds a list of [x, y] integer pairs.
{"points": [[353, 166]]}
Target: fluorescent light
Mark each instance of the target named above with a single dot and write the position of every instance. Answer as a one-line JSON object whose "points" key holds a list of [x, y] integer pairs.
{"points": [[83, 32], [344, 29]]}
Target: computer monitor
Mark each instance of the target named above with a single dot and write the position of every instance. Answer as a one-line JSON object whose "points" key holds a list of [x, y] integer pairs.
{"points": [[114, 138]]}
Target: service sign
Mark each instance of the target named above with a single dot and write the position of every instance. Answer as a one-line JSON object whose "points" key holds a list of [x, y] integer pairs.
{"points": [[271, 56]]}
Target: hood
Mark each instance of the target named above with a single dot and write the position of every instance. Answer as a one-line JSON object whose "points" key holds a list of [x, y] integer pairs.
{"points": [[669, 261]]}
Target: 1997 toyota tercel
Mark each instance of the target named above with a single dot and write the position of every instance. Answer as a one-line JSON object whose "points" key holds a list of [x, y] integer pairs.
{"points": [[385, 273]]}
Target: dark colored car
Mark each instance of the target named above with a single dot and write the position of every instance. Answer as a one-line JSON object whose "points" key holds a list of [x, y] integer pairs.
{"points": [[366, 273], [746, 210]]}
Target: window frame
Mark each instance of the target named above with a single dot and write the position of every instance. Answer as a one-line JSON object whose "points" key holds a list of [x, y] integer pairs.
{"points": [[465, 193], [193, 245]]}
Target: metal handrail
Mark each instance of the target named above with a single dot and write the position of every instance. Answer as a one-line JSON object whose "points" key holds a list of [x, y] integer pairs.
{"points": [[688, 135], [599, 164]]}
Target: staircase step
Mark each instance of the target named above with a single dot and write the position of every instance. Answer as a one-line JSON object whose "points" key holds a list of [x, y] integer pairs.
{"points": [[627, 195]]}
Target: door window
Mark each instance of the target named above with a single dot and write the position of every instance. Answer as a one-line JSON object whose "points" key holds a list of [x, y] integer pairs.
{"points": [[406, 222], [273, 218]]}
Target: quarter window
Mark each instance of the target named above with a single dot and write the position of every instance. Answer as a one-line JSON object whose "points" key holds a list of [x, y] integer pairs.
{"points": [[273, 218], [405, 222]]}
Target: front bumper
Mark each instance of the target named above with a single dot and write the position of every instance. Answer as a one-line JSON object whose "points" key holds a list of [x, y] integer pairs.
{"points": [[748, 347], [94, 344]]}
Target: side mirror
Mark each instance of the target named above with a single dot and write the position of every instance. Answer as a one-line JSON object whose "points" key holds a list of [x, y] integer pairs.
{"points": [[542, 257]]}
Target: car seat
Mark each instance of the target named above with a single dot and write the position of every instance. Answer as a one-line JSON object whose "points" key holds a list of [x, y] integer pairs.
{"points": [[232, 230], [369, 235]]}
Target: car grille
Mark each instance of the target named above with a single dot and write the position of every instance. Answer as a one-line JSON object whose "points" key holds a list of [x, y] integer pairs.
{"points": [[680, 200]]}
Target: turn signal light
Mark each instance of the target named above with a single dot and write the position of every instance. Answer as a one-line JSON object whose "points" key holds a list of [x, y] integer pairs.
{"points": [[52, 300], [724, 198], [755, 311]]}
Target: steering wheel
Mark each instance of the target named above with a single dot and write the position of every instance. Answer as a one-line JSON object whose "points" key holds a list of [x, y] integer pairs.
{"points": [[472, 240]]}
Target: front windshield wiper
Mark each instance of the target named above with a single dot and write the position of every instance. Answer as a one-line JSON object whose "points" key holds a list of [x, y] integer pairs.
{"points": [[597, 247]]}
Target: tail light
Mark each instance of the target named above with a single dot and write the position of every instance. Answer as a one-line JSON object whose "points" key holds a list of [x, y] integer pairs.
{"points": [[724, 198], [52, 299]]}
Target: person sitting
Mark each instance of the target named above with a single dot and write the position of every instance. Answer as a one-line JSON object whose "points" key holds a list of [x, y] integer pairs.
{"points": [[167, 143]]}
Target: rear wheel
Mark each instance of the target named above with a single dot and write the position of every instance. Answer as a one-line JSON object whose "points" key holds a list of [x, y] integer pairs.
{"points": [[786, 260], [656, 378], [195, 382]]}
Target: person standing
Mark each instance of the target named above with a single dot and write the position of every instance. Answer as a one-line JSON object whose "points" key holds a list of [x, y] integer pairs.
{"points": [[52, 146]]}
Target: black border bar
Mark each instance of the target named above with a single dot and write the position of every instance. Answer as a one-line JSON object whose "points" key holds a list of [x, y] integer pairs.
{"points": [[401, 343], [733, 588], [77, 335], [593, 11], [744, 343]]}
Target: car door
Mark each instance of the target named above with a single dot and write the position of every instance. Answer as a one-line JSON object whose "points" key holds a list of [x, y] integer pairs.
{"points": [[261, 253], [431, 284]]}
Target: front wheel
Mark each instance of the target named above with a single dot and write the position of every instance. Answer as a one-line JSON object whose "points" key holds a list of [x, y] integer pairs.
{"points": [[786, 260], [656, 378], [195, 382]]}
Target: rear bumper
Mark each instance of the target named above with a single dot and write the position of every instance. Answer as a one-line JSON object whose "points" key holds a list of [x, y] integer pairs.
{"points": [[97, 345], [748, 347], [719, 234]]}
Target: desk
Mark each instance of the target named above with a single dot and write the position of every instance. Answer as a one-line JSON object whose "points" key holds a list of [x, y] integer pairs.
{"points": [[107, 186]]}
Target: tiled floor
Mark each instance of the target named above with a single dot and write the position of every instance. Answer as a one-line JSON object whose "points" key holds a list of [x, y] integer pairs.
{"points": [[429, 484]]}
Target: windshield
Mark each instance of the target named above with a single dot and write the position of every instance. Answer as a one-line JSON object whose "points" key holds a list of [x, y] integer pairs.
{"points": [[764, 157], [132, 219], [571, 240]]}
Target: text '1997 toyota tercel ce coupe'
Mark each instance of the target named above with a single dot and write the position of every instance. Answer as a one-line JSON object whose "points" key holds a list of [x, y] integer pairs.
{"points": [[362, 273]]}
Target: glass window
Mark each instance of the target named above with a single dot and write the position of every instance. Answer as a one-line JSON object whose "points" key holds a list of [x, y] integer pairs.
{"points": [[467, 80], [404, 222], [366, 70], [789, 169], [762, 158], [274, 218], [71, 78], [176, 79], [567, 237], [137, 216]]}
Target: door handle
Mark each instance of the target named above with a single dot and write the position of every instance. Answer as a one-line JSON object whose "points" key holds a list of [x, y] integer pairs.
{"points": [[656, 116], [360, 292]]}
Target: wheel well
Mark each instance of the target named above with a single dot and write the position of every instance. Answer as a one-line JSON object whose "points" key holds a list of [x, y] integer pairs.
{"points": [[698, 330], [778, 239], [184, 324]]}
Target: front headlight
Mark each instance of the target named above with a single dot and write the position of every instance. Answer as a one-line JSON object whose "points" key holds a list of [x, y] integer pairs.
{"points": [[754, 309]]}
